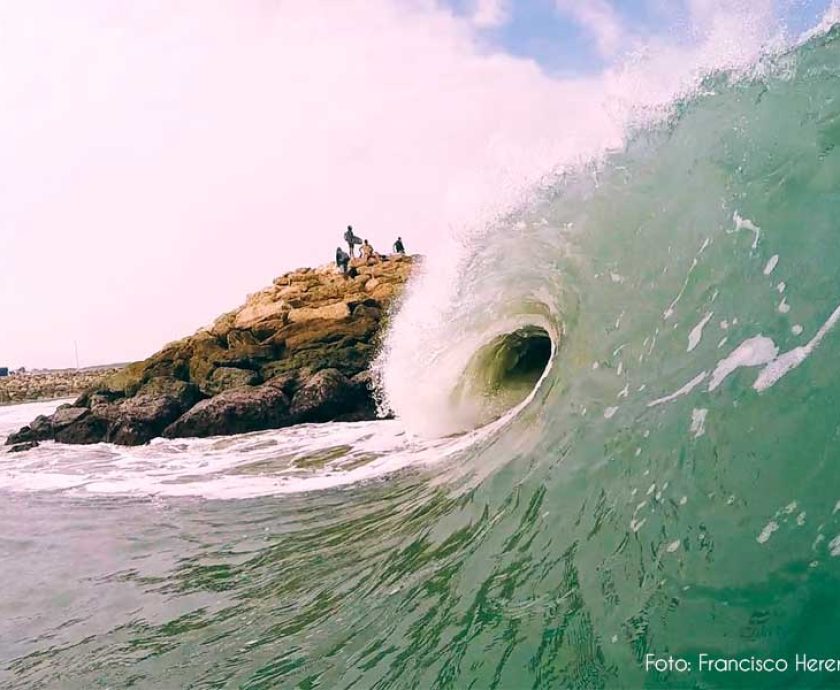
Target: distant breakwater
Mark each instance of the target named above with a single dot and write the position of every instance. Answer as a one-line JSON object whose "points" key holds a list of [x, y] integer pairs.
{"points": [[50, 385]]}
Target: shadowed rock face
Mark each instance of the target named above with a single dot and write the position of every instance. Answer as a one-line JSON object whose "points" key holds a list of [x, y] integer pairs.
{"points": [[297, 351], [236, 411], [325, 396]]}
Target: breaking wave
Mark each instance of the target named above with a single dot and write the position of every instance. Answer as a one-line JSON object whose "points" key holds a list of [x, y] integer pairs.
{"points": [[622, 266]]}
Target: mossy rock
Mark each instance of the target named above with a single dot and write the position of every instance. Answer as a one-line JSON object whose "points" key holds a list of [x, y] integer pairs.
{"points": [[226, 378], [127, 379]]}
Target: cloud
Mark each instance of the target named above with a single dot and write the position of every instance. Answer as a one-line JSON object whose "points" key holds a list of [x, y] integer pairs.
{"points": [[162, 159], [490, 13], [707, 16], [160, 162], [599, 19]]}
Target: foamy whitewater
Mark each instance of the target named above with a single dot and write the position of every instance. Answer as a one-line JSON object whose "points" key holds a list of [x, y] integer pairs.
{"points": [[616, 434]]}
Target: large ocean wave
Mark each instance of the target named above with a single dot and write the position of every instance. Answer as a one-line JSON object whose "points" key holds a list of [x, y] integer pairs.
{"points": [[702, 226]]}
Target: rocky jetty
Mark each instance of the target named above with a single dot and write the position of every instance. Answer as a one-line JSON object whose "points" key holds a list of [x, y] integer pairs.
{"points": [[297, 351], [47, 385]]}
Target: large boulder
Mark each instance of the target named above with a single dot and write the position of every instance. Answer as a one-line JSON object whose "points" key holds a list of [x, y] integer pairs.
{"points": [[364, 385], [65, 416], [234, 411], [184, 393], [326, 396], [86, 429], [225, 378], [136, 420], [76, 425], [42, 425]]}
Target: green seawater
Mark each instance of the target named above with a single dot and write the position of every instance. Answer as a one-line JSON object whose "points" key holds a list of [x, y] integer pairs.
{"points": [[649, 499]]}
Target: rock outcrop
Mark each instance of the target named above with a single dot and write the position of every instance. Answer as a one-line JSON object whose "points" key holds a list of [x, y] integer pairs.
{"points": [[297, 351]]}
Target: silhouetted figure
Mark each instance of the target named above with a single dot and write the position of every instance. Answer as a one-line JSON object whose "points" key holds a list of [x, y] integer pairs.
{"points": [[399, 247], [351, 239], [342, 259]]}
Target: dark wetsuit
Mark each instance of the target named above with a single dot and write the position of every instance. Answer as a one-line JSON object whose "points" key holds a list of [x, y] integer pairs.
{"points": [[352, 240], [342, 259]]}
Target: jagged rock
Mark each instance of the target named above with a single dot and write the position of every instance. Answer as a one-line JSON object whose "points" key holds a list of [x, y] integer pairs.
{"points": [[44, 428], [41, 427], [91, 399], [20, 447], [306, 336], [222, 325], [364, 380], [325, 396], [64, 416], [235, 411], [22, 435], [364, 383], [127, 421], [363, 311]]}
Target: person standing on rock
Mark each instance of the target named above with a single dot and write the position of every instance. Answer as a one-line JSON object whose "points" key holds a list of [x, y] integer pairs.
{"points": [[342, 259], [399, 247], [351, 239]]}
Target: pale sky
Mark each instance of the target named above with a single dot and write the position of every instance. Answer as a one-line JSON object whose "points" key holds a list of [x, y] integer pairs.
{"points": [[159, 160]]}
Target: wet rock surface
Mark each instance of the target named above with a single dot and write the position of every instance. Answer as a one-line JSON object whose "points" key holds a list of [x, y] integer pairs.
{"points": [[20, 447], [236, 411], [326, 396]]}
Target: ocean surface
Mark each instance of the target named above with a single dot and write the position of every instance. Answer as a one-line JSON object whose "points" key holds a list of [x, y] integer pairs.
{"points": [[624, 441]]}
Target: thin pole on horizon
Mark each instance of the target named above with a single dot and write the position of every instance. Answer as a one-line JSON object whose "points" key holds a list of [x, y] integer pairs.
{"points": [[76, 349]]}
